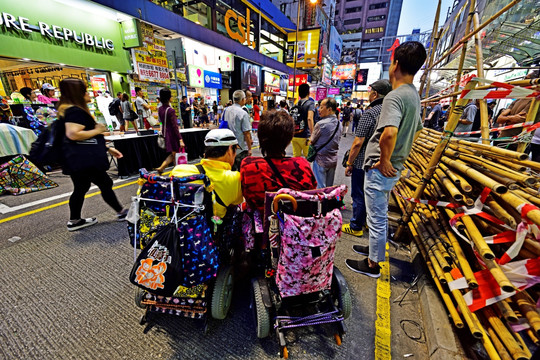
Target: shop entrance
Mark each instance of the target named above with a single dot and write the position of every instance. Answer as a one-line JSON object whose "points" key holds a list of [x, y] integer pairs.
{"points": [[16, 74]]}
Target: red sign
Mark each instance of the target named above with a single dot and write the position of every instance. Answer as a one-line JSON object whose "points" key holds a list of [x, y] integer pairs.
{"points": [[300, 79]]}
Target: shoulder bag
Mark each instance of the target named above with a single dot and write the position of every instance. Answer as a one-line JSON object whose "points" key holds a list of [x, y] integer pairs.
{"points": [[161, 137], [312, 150]]}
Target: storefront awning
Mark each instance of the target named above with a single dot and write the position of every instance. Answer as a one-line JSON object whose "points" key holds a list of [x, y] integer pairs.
{"points": [[157, 15]]}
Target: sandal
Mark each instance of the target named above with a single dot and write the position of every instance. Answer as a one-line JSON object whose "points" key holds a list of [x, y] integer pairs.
{"points": [[160, 172]]}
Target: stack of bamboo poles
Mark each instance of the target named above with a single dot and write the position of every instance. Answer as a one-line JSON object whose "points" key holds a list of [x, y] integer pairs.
{"points": [[464, 171]]}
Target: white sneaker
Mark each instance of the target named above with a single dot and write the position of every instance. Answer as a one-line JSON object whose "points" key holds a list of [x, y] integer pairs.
{"points": [[73, 225]]}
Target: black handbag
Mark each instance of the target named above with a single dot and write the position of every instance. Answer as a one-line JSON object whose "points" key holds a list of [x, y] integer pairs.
{"points": [[345, 158]]}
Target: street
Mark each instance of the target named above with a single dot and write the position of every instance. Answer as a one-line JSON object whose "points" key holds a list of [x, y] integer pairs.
{"points": [[67, 295]]}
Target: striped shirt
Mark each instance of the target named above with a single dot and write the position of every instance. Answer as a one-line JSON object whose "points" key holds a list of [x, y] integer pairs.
{"points": [[366, 128]]}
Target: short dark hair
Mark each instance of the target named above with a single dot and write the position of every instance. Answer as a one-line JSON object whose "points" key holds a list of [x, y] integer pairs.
{"points": [[349, 103], [303, 91], [26, 91], [331, 103], [283, 104], [184, 97], [165, 95], [118, 93], [214, 152], [125, 97], [275, 132], [410, 56], [137, 89]]}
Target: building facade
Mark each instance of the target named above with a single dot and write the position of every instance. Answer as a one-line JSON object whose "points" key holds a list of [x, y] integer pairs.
{"points": [[364, 23]]}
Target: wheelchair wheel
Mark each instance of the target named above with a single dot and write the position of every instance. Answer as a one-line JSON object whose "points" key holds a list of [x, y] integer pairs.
{"points": [[139, 296], [262, 316], [222, 294], [341, 293]]}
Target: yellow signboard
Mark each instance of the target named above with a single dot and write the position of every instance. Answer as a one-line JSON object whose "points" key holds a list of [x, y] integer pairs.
{"points": [[151, 60], [307, 48]]}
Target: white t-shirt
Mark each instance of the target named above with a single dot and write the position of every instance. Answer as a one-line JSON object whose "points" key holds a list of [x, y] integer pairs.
{"points": [[139, 101]]}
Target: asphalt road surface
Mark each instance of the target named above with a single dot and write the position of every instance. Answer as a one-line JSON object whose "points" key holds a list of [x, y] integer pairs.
{"points": [[66, 295]]}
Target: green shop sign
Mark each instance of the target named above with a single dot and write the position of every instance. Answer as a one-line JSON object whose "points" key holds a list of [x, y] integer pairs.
{"points": [[131, 32], [51, 31]]}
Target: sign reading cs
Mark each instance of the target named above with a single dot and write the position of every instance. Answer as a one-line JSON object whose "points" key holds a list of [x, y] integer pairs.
{"points": [[240, 32]]}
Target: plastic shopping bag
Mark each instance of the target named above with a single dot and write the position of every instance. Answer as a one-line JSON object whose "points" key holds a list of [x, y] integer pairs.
{"points": [[181, 158]]}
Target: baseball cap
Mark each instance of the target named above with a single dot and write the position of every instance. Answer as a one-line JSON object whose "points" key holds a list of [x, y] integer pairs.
{"points": [[220, 137], [382, 86], [47, 86]]}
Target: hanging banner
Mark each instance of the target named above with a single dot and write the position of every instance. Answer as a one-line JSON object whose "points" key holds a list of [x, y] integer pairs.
{"points": [[333, 91], [196, 76], [321, 94], [300, 79]]}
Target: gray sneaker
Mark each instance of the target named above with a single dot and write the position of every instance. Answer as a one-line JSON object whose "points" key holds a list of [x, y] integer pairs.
{"points": [[73, 225]]}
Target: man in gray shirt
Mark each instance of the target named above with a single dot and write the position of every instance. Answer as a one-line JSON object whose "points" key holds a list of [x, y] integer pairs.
{"points": [[387, 150], [467, 118], [325, 138], [238, 121]]}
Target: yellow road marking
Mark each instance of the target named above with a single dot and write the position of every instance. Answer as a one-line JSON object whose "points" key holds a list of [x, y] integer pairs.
{"points": [[382, 324]]}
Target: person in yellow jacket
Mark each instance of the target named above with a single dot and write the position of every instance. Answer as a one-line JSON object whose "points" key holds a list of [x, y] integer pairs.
{"points": [[219, 155]]}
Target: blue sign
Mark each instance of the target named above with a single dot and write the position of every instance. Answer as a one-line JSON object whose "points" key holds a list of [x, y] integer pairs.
{"points": [[212, 80]]}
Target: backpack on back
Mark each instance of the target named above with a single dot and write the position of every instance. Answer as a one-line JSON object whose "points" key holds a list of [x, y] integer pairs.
{"points": [[357, 114], [299, 115], [113, 107], [47, 149]]}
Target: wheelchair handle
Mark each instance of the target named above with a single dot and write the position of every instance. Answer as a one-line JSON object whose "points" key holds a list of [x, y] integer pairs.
{"points": [[283, 197]]}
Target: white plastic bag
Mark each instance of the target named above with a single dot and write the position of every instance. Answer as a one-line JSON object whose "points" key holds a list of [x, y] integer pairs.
{"points": [[181, 158]]}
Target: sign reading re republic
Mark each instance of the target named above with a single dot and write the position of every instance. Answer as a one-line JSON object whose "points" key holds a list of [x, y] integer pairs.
{"points": [[61, 33]]}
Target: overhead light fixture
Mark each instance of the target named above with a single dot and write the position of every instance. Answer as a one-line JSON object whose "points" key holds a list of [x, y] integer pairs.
{"points": [[26, 59], [62, 64], [91, 68]]}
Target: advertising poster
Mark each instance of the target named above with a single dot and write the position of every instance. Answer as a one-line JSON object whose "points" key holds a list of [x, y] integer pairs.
{"points": [[361, 77], [301, 54], [196, 76], [335, 46], [251, 77], [283, 82], [321, 94], [271, 83], [290, 53], [153, 73], [308, 48], [333, 91], [344, 72], [227, 63], [300, 79], [326, 76]]}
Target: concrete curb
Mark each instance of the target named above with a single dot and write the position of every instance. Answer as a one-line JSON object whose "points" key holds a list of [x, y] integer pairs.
{"points": [[440, 333]]}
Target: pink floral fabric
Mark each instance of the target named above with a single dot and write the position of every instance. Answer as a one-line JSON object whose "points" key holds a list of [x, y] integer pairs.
{"points": [[307, 253], [251, 224]]}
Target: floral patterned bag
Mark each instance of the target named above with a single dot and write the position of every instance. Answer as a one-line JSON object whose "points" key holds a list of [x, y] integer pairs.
{"points": [[306, 261]]}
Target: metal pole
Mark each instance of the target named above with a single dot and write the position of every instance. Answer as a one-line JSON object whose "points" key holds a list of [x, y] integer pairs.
{"points": [[296, 48], [179, 97]]}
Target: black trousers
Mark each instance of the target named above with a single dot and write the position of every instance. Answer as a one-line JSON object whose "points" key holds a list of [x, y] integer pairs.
{"points": [[81, 184], [535, 152]]}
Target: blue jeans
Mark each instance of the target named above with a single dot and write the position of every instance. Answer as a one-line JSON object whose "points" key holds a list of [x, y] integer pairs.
{"points": [[324, 177], [358, 218], [377, 189]]}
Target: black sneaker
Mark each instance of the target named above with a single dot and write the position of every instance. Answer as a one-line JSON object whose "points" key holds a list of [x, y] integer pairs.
{"points": [[362, 267], [360, 249], [121, 216], [73, 225]]}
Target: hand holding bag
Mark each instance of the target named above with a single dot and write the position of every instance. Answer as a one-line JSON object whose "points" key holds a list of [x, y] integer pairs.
{"points": [[161, 137], [181, 157]]}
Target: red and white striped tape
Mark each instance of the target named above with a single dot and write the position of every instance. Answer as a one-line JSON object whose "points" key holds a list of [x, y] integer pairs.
{"points": [[513, 126], [509, 92]]}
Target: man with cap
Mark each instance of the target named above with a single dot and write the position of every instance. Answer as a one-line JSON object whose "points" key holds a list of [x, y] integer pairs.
{"points": [[47, 94], [219, 155], [355, 162]]}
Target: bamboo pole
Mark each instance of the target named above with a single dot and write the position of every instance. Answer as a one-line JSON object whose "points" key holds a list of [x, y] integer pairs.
{"points": [[467, 35], [462, 260], [475, 175], [477, 238], [515, 201], [528, 309], [506, 311], [469, 317], [501, 350], [484, 121], [501, 213], [495, 270], [533, 337], [531, 116], [506, 337], [432, 50], [457, 179], [435, 158]]}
